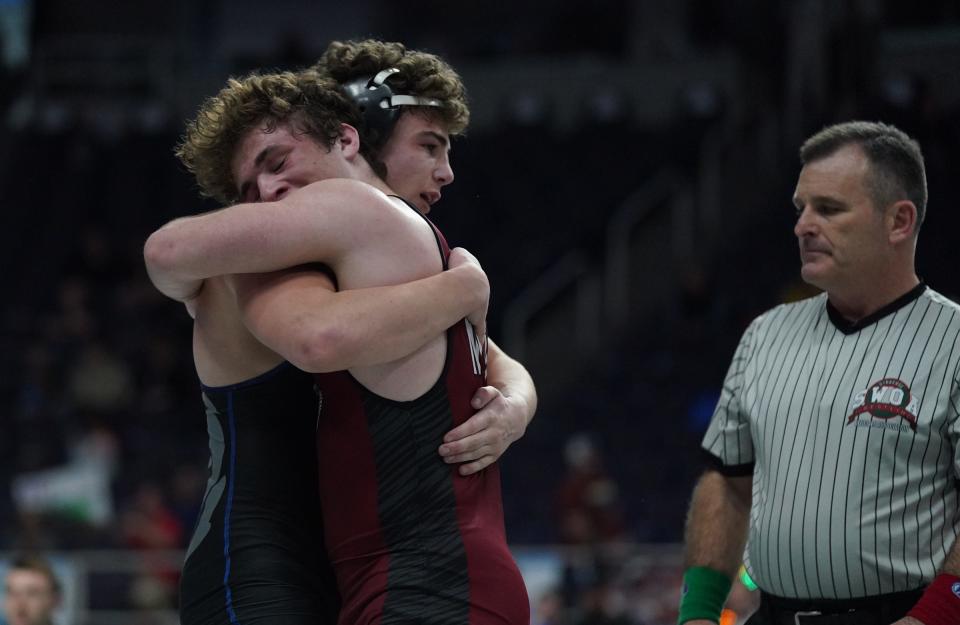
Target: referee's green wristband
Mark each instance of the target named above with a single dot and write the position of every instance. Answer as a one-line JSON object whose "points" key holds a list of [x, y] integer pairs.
{"points": [[703, 595]]}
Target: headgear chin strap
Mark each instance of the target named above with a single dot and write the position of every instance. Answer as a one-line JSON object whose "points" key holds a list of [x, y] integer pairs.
{"points": [[379, 106]]}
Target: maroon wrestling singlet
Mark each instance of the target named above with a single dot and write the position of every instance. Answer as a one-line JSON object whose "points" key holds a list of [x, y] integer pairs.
{"points": [[410, 539]]}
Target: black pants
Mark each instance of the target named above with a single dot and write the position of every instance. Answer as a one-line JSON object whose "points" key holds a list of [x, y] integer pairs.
{"points": [[875, 610]]}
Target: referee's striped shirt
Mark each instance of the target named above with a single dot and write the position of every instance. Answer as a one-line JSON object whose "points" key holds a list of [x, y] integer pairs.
{"points": [[851, 434]]}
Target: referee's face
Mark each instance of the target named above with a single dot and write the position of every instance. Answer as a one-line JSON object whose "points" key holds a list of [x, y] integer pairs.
{"points": [[841, 235]]}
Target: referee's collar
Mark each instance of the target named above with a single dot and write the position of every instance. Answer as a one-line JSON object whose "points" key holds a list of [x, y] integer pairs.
{"points": [[844, 325]]}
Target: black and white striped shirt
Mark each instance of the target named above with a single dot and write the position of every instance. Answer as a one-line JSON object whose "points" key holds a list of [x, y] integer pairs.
{"points": [[852, 435]]}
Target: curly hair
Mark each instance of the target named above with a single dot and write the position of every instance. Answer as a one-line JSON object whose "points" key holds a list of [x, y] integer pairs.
{"points": [[421, 74], [312, 102]]}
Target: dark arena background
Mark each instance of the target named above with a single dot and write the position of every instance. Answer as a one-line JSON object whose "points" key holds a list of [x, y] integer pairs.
{"points": [[626, 182]]}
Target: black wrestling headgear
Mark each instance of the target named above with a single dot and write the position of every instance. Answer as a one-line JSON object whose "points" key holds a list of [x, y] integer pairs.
{"points": [[380, 106]]}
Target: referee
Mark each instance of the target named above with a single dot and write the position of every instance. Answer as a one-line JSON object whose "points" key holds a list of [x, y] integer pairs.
{"points": [[835, 446]]}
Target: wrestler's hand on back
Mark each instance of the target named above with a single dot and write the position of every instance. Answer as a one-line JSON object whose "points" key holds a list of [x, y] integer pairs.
{"points": [[480, 440], [503, 408]]}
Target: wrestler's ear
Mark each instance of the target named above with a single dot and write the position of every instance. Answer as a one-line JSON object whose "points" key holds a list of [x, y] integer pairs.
{"points": [[349, 141]]}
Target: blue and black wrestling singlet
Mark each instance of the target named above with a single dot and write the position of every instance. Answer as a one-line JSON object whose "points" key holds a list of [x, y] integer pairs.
{"points": [[257, 556]]}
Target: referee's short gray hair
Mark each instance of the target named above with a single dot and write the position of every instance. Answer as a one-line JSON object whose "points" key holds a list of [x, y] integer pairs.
{"points": [[896, 162]]}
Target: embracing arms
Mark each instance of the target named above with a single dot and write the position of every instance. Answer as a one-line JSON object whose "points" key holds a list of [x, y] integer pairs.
{"points": [[323, 329]]}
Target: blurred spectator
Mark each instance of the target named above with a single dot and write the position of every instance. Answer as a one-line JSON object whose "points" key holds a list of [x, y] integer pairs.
{"points": [[37, 409], [186, 492], [99, 380], [32, 592], [32, 532], [95, 260], [73, 321], [148, 524], [588, 501], [549, 610], [66, 506], [96, 446], [652, 591], [603, 604]]}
